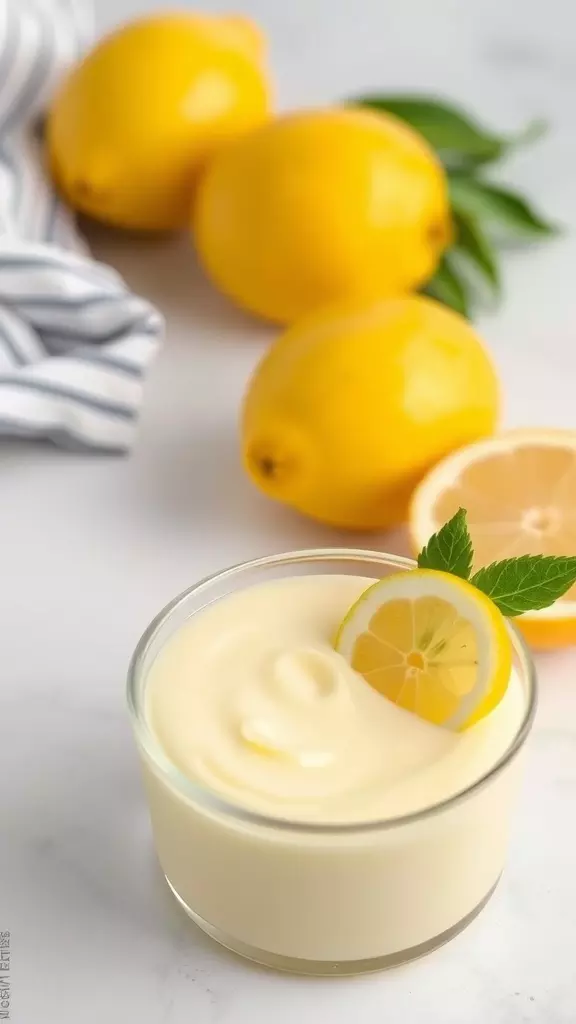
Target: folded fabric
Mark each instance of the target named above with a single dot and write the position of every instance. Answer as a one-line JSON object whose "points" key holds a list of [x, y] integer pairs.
{"points": [[75, 343]]}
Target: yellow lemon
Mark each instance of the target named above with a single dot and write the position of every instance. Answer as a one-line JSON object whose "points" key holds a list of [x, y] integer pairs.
{"points": [[349, 408], [320, 206], [136, 119], [432, 644], [519, 490]]}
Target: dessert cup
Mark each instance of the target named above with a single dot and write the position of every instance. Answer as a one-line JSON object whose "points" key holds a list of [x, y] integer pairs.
{"points": [[316, 898]]}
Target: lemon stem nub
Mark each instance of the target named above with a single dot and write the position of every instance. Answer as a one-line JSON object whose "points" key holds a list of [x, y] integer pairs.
{"points": [[268, 467]]}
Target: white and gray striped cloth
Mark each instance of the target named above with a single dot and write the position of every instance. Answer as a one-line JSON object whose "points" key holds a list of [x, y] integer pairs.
{"points": [[75, 343]]}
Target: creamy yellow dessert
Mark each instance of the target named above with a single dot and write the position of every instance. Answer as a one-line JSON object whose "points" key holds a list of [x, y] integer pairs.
{"points": [[251, 699], [300, 855]]}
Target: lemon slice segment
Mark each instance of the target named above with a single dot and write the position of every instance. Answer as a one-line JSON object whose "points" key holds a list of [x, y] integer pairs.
{"points": [[432, 644]]}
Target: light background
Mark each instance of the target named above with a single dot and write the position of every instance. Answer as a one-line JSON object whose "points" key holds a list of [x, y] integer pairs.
{"points": [[92, 547]]}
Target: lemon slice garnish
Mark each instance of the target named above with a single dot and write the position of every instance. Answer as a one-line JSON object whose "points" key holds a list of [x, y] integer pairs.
{"points": [[432, 644]]}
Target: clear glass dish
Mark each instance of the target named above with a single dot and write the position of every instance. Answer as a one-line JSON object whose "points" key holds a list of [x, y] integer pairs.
{"points": [[317, 898]]}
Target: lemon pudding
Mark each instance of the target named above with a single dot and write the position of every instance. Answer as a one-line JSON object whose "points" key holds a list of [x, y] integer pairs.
{"points": [[300, 815]]}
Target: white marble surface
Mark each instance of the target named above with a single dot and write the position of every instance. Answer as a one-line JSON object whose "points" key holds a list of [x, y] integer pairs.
{"points": [[91, 548]]}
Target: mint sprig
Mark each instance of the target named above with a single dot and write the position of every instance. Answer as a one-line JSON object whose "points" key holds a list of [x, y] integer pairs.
{"points": [[450, 549], [515, 585], [526, 584]]}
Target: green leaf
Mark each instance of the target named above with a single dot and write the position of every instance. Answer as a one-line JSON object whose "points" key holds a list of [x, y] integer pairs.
{"points": [[515, 585], [472, 243], [484, 213], [528, 583], [495, 206], [450, 550], [447, 287], [453, 134], [470, 251], [534, 131]]}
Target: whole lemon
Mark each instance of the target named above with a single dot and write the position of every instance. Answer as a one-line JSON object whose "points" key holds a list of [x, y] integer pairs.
{"points": [[350, 407], [136, 119], [321, 206]]}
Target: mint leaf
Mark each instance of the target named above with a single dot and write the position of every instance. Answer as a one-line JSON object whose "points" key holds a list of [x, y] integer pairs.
{"points": [[527, 583], [450, 550]]}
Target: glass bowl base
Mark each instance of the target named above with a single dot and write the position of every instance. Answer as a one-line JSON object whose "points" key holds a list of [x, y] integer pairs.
{"points": [[330, 968]]}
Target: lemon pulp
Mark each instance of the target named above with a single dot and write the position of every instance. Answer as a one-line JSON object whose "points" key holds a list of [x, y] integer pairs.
{"points": [[432, 644]]}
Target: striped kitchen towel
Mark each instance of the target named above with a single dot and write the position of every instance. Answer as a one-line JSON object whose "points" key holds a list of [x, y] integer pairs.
{"points": [[75, 343]]}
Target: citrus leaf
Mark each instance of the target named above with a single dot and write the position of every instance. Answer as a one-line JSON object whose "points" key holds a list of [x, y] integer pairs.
{"points": [[453, 134], [528, 583], [450, 550], [534, 131], [473, 244], [499, 207], [447, 287]]}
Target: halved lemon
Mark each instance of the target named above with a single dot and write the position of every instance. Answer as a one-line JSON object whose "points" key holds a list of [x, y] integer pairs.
{"points": [[519, 490], [431, 643]]}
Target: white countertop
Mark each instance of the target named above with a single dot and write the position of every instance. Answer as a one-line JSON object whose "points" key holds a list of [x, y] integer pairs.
{"points": [[92, 547]]}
